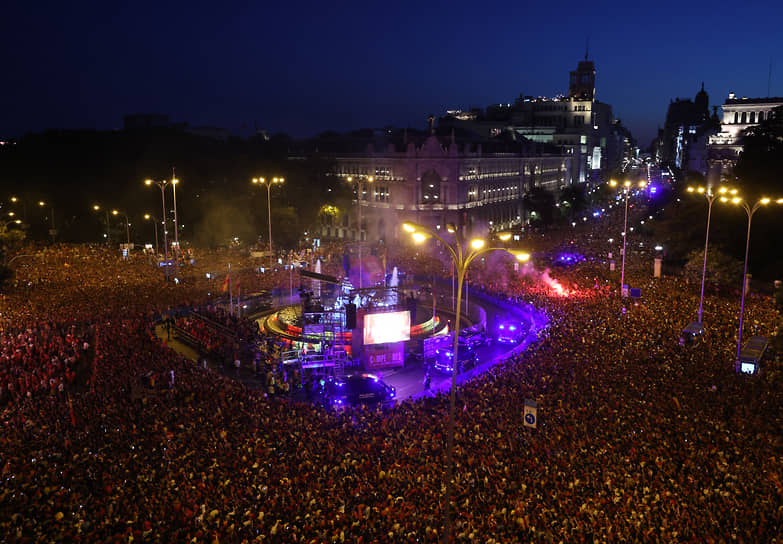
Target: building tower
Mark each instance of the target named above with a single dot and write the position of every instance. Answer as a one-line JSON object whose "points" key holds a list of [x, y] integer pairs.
{"points": [[582, 84]]}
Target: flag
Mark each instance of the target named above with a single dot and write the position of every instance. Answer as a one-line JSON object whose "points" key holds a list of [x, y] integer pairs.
{"points": [[225, 283], [70, 409]]}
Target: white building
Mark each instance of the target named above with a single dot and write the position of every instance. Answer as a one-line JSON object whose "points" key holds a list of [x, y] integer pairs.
{"points": [[738, 114]]}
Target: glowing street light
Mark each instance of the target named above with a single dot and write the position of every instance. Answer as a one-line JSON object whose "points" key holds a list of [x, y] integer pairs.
{"points": [[162, 184], [98, 208], [750, 209], [268, 184], [462, 258], [626, 189], [147, 217], [710, 196]]}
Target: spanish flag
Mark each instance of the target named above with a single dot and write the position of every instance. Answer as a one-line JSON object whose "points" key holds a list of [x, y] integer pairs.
{"points": [[225, 283]]}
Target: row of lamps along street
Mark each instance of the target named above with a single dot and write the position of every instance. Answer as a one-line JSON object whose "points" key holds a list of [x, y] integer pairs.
{"points": [[727, 195]]}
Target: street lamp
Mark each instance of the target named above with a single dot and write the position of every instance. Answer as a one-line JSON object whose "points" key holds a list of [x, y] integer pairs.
{"points": [[162, 184], [268, 184], [174, 182], [626, 189], [127, 224], [359, 198], [147, 217], [710, 196], [461, 257], [749, 210], [97, 208]]}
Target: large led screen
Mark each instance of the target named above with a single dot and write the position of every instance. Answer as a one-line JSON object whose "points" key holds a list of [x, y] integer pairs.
{"points": [[387, 327]]}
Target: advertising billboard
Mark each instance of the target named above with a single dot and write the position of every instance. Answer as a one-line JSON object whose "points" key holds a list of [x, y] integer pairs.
{"points": [[386, 328]]}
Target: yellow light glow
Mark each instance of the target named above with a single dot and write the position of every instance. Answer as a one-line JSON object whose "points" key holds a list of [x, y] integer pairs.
{"points": [[522, 257], [371, 179], [408, 227], [701, 190], [627, 184], [18, 221], [350, 178], [175, 180], [504, 236], [722, 190], [147, 182], [690, 189], [736, 200], [642, 184], [724, 199], [779, 201], [96, 207], [146, 216], [733, 191], [11, 214], [419, 236], [612, 183], [114, 212], [478, 243], [765, 200]]}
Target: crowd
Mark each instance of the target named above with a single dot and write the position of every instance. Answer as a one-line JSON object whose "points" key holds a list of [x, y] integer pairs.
{"points": [[639, 439]]}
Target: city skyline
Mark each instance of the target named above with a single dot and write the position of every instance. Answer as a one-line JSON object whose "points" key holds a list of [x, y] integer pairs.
{"points": [[309, 68]]}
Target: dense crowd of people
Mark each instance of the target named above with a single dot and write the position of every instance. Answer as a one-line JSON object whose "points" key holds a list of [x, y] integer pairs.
{"points": [[639, 438]]}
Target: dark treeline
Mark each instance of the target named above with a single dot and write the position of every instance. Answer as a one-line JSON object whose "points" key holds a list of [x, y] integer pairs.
{"points": [[71, 171]]}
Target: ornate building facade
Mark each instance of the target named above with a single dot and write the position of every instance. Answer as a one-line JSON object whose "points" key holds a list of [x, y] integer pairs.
{"points": [[738, 114], [476, 186]]}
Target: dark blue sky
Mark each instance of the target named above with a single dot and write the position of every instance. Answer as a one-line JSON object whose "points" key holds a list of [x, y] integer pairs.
{"points": [[304, 67]]}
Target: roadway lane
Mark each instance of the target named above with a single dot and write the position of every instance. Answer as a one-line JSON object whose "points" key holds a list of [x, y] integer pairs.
{"points": [[409, 381]]}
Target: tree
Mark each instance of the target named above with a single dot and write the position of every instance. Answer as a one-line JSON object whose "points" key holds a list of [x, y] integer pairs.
{"points": [[540, 204], [722, 268], [760, 166], [573, 199]]}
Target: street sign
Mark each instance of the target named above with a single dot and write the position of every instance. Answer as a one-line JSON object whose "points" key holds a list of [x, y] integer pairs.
{"points": [[530, 413], [636, 292]]}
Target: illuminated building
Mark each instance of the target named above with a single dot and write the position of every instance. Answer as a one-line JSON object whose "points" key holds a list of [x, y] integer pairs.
{"points": [[434, 180], [738, 114], [578, 123], [686, 130]]}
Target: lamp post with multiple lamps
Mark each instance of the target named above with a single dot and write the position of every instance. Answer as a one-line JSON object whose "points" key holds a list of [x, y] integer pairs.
{"points": [[359, 198], [462, 257], [162, 184], [626, 189], [268, 184], [750, 210], [710, 196], [147, 217]]}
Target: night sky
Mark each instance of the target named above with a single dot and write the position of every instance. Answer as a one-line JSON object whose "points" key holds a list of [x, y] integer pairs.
{"points": [[305, 67]]}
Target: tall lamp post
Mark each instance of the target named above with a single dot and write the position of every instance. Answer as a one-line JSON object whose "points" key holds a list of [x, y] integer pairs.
{"points": [[461, 257], [147, 217], [710, 196], [98, 208], [750, 210], [127, 224], [626, 189], [174, 182], [359, 198], [162, 184], [268, 184]]}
